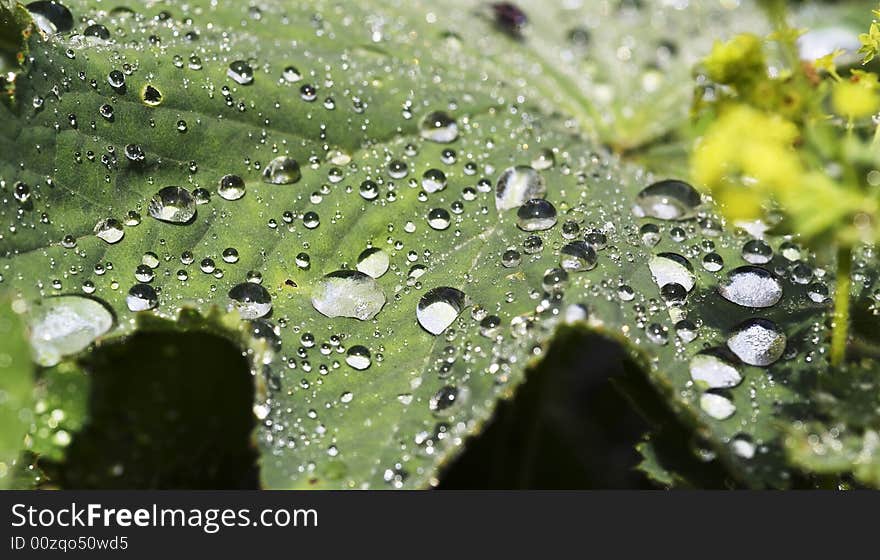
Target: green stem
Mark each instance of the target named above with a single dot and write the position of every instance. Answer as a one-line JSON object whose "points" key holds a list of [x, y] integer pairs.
{"points": [[840, 330]]}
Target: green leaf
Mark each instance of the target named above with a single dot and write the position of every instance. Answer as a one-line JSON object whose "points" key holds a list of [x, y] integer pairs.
{"points": [[326, 420], [16, 391]]}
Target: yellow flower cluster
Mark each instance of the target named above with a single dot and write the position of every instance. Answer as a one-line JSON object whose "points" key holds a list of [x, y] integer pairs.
{"points": [[770, 142]]}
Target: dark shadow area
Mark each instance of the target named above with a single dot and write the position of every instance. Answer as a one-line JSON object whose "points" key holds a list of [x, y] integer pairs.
{"points": [[568, 427], [166, 410]]}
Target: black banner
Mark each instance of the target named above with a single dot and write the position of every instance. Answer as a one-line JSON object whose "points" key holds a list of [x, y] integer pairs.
{"points": [[432, 524]]}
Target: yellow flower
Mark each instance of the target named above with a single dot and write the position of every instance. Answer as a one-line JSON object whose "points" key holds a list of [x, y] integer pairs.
{"points": [[740, 60], [854, 99]]}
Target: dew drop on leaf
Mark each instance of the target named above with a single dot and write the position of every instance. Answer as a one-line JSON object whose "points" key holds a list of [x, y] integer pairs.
{"points": [[251, 300], [672, 268], [516, 185], [173, 204], [536, 215], [64, 325], [141, 297], [348, 293], [717, 405], [751, 286], [439, 127], [438, 308], [358, 357], [712, 372], [282, 170], [667, 200], [373, 262], [109, 230], [231, 187], [757, 342]]}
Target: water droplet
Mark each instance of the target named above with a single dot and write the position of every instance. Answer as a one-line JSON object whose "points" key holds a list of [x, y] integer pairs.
{"points": [[231, 187], [51, 16], [757, 251], [109, 230], [757, 342], [241, 72], [439, 218], [65, 325], [751, 286], [536, 215], [710, 371], [439, 127], [142, 297], [672, 268], [373, 262], [717, 405], [282, 170], [544, 160], [97, 31], [445, 398], [173, 204], [516, 185], [438, 308], [291, 74], [358, 357], [433, 180], [667, 200], [251, 300], [578, 256], [511, 258], [348, 293]]}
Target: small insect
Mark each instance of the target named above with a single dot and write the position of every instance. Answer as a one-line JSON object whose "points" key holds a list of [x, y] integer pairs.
{"points": [[509, 17]]}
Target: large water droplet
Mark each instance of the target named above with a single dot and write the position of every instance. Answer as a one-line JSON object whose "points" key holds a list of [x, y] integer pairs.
{"points": [[65, 325], [672, 268], [667, 200], [516, 185], [712, 372], [439, 308], [173, 204], [757, 342], [251, 300], [51, 16], [439, 127], [751, 286], [536, 215], [348, 293], [282, 170]]}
